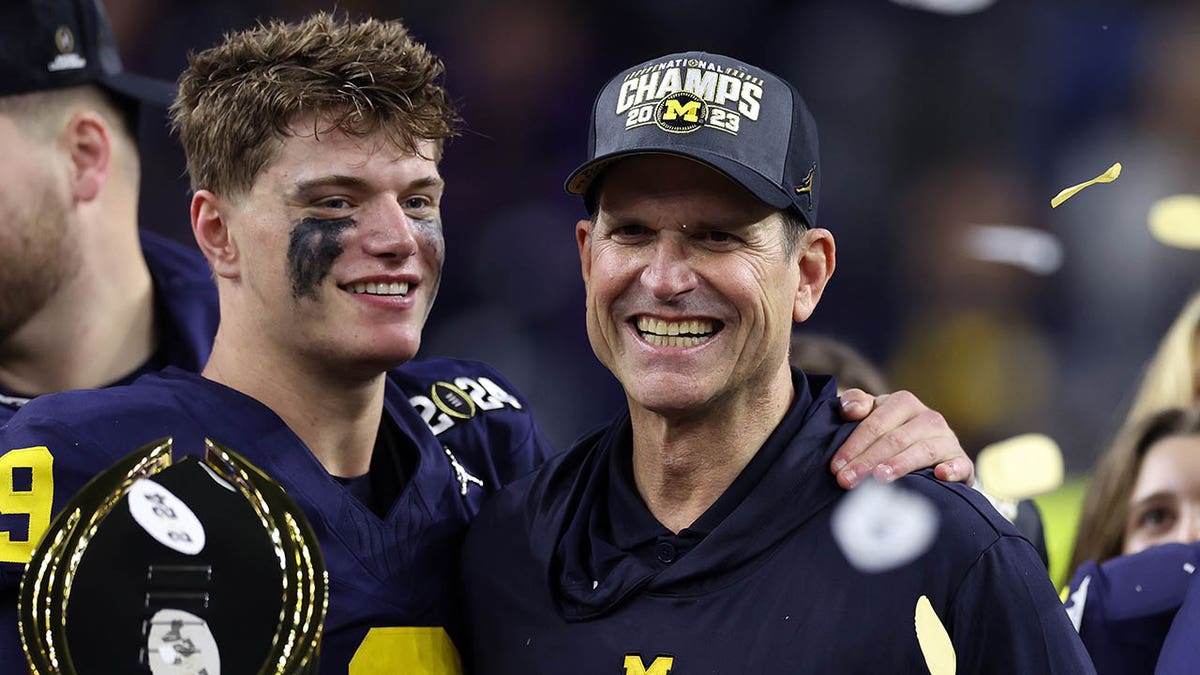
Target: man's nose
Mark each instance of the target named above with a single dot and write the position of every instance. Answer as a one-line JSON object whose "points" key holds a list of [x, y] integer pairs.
{"points": [[389, 232], [669, 272]]}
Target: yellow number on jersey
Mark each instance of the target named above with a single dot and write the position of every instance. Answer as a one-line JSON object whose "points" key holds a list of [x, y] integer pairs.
{"points": [[26, 497], [409, 650]]}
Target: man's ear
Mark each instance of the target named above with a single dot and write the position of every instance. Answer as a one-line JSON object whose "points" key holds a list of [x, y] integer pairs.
{"points": [[210, 226], [816, 257], [583, 236], [89, 144]]}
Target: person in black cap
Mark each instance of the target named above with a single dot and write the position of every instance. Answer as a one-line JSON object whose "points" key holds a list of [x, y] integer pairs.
{"points": [[700, 531], [86, 299]]}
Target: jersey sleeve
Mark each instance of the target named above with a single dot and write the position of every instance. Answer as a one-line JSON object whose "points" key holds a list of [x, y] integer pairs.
{"points": [[529, 445], [43, 463], [35, 484], [477, 415], [1006, 617]]}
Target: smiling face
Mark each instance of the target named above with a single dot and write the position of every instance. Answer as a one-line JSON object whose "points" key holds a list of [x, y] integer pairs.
{"points": [[1165, 504], [338, 250], [691, 294]]}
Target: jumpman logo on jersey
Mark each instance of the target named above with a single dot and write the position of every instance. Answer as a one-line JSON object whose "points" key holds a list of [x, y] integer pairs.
{"points": [[465, 478]]}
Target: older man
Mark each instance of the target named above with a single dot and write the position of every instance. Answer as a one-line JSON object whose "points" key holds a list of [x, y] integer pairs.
{"points": [[693, 534]]}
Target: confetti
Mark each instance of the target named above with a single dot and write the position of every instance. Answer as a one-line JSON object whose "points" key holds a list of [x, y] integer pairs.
{"points": [[953, 7], [881, 526], [1020, 467], [1175, 221], [1035, 251], [1106, 177], [935, 642]]}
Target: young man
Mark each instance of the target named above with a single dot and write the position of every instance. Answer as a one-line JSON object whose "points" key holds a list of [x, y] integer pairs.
{"points": [[693, 534], [313, 152], [86, 299]]}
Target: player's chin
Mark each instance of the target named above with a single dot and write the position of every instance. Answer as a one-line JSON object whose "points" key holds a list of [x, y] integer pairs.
{"points": [[383, 353], [370, 365]]}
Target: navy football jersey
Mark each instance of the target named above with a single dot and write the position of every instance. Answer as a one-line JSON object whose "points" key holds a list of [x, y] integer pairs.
{"points": [[567, 571], [1140, 613], [393, 578], [185, 306]]}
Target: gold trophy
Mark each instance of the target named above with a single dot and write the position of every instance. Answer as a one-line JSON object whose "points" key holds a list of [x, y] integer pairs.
{"points": [[189, 567]]}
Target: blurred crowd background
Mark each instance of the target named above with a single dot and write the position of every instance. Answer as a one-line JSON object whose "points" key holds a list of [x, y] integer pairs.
{"points": [[943, 138]]}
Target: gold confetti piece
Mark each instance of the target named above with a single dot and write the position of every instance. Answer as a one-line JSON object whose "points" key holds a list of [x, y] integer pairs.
{"points": [[1175, 221], [934, 640], [1020, 467], [1106, 177]]}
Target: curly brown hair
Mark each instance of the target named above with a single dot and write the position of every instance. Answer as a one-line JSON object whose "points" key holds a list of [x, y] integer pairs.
{"points": [[237, 100]]}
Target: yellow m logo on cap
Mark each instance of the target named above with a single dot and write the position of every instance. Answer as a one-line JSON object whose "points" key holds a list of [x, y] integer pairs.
{"points": [[660, 666], [687, 111]]}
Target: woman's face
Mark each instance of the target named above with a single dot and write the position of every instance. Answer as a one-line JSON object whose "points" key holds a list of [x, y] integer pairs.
{"points": [[1165, 504]]}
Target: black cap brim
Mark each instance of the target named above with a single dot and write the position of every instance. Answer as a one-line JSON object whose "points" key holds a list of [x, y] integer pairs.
{"points": [[764, 189], [140, 88]]}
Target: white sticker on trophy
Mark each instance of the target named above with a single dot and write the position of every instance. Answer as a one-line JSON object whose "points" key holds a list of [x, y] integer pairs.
{"points": [[165, 517], [180, 643]]}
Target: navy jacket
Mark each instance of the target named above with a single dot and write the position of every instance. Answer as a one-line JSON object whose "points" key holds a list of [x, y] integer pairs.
{"points": [[567, 571], [472, 433], [1140, 613]]}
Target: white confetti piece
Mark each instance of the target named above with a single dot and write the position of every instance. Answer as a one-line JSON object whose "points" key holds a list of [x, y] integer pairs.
{"points": [[1034, 251], [953, 7], [883, 526]]}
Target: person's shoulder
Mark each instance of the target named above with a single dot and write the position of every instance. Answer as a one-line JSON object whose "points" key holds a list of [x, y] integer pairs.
{"points": [[460, 385], [966, 516], [148, 395]]}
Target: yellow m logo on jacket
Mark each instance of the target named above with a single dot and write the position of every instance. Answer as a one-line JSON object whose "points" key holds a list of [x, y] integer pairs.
{"points": [[635, 666]]}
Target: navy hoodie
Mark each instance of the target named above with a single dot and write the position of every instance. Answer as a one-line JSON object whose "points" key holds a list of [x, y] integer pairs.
{"points": [[568, 572]]}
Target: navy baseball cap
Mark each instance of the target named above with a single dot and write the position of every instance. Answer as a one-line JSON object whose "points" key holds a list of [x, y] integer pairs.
{"points": [[743, 121], [52, 44]]}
